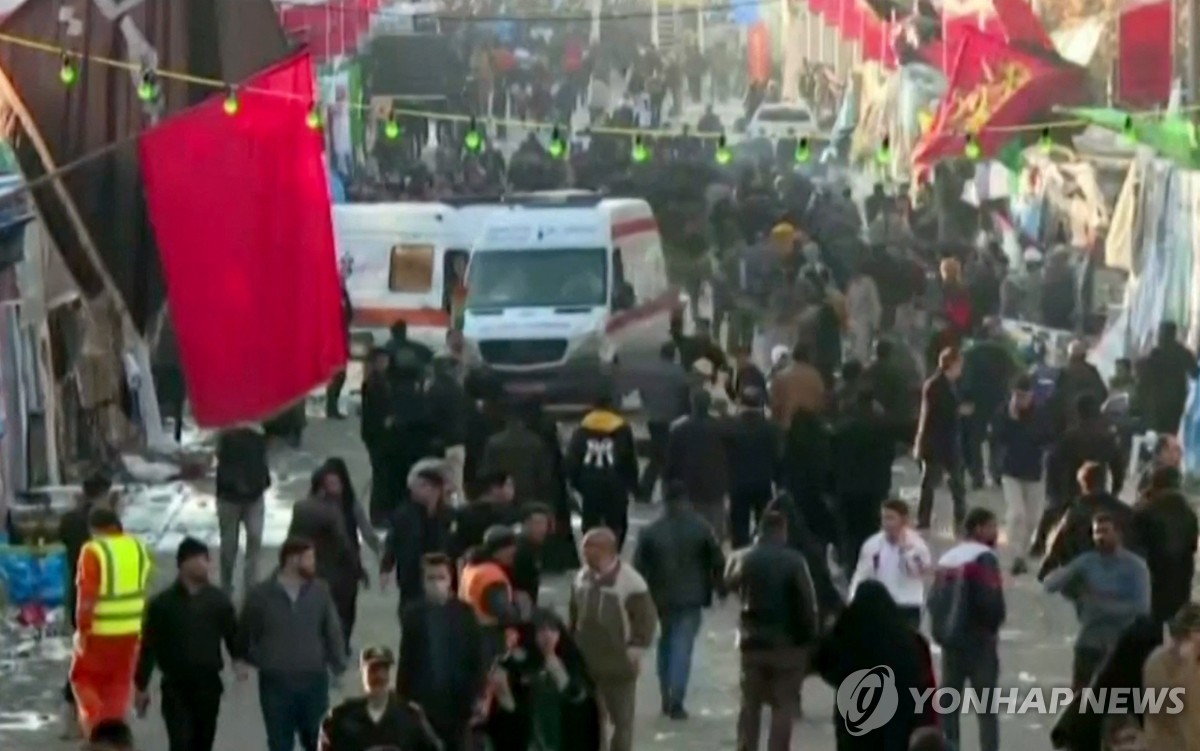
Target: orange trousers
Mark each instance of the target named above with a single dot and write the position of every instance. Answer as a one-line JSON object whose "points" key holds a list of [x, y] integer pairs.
{"points": [[102, 672]]}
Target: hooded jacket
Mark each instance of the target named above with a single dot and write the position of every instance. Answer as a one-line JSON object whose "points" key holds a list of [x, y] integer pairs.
{"points": [[602, 458]]}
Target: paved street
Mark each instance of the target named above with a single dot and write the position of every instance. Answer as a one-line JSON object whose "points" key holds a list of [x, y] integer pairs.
{"points": [[1036, 643]]}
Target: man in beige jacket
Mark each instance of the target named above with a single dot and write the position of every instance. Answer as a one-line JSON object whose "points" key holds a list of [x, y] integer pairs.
{"points": [[1176, 664], [613, 620]]}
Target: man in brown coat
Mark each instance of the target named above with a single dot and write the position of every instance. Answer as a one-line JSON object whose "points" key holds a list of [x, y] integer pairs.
{"points": [[1174, 665], [797, 387], [613, 620]]}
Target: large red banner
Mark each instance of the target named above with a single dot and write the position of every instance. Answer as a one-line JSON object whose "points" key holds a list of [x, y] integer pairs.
{"points": [[993, 88], [1145, 60], [240, 208]]}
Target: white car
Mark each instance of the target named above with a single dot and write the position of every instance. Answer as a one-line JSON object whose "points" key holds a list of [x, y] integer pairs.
{"points": [[775, 121]]}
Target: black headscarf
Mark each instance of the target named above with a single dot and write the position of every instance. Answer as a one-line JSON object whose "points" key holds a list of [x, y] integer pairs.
{"points": [[871, 632]]}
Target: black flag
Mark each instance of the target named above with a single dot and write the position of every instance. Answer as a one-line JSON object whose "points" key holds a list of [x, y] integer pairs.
{"points": [[96, 212]]}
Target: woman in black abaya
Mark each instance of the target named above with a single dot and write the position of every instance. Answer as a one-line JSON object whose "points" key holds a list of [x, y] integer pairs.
{"points": [[871, 633]]}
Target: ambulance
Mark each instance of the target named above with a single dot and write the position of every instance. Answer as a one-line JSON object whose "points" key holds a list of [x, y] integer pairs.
{"points": [[563, 291], [406, 261]]}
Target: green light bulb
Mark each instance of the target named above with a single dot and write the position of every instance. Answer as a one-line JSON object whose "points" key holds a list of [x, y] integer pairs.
{"points": [[883, 155], [972, 149], [313, 118], [640, 152], [231, 105], [1129, 131], [68, 74], [803, 154], [1045, 141], [557, 148], [391, 129], [724, 155], [473, 140], [147, 90]]}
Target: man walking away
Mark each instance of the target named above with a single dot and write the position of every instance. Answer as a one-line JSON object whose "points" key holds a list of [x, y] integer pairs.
{"points": [[612, 619], [697, 457], [74, 532], [755, 446], [1165, 531], [664, 400], [418, 528], [602, 467], [682, 562], [1167, 368], [1110, 587], [1020, 433], [966, 611], [442, 667], [449, 408], [898, 558], [242, 478], [777, 626], [380, 719], [864, 448], [938, 445], [186, 624], [114, 571], [798, 387], [290, 632]]}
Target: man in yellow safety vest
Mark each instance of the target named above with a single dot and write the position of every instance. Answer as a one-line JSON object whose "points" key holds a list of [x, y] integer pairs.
{"points": [[111, 582]]}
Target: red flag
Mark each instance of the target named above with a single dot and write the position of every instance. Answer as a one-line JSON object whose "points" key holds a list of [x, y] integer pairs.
{"points": [[994, 86], [1145, 43], [240, 208]]}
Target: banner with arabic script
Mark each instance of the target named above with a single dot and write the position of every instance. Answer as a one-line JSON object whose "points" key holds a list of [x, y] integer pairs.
{"points": [[994, 89]]}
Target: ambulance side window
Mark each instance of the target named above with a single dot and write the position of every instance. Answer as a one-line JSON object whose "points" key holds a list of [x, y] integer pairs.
{"points": [[623, 296]]}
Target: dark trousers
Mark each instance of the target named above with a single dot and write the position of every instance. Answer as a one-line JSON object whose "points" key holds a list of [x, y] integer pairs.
{"points": [[292, 707], [911, 615], [860, 519], [1055, 508], [975, 434], [659, 432], [980, 668], [745, 506], [932, 474], [772, 677], [384, 489], [1088, 660], [190, 713], [333, 394], [608, 512]]}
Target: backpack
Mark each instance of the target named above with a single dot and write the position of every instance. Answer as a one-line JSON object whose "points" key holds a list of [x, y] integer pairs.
{"points": [[1045, 379], [947, 605]]}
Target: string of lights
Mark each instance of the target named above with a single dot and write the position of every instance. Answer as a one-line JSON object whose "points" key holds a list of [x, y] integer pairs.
{"points": [[359, 9], [149, 90]]}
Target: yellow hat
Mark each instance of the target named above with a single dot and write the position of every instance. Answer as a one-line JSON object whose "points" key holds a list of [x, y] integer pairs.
{"points": [[782, 230]]}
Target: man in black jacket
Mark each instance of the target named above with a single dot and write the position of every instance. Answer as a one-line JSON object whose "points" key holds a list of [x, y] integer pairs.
{"points": [[864, 449], [754, 450], [938, 445], [777, 626], [442, 667], [417, 529], [681, 561], [380, 719], [494, 506], [1167, 369], [1165, 529], [242, 478], [697, 457], [1073, 535], [988, 369], [185, 626], [449, 408], [602, 467]]}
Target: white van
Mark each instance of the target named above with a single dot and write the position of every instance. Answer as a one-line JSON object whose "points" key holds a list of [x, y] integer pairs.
{"points": [[562, 288], [405, 262]]}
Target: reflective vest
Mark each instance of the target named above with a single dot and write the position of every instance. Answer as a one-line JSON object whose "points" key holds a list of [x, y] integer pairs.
{"points": [[124, 573], [476, 579]]}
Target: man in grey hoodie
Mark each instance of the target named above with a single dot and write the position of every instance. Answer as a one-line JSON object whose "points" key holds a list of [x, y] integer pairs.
{"points": [[1111, 587], [290, 631]]}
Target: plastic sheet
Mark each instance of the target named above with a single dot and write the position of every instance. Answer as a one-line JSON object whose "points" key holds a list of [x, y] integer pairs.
{"points": [[34, 576]]}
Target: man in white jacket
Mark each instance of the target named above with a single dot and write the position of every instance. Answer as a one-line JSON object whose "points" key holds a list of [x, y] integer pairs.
{"points": [[898, 558]]}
